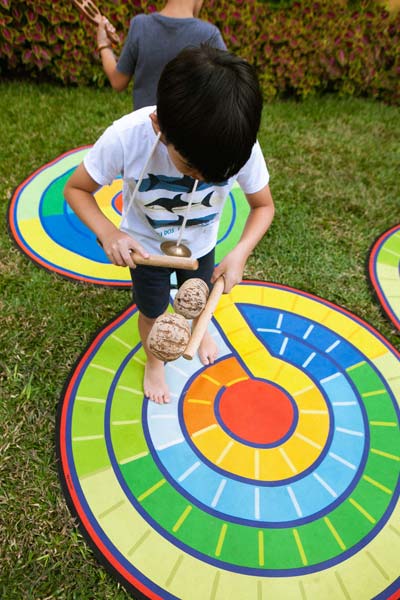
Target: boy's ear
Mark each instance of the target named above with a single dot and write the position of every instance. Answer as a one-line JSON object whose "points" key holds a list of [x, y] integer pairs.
{"points": [[156, 126], [154, 120]]}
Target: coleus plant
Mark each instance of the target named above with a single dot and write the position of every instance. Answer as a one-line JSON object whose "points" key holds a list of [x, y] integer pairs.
{"points": [[299, 48]]}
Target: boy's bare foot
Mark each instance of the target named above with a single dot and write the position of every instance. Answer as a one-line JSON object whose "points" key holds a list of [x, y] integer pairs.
{"points": [[154, 384], [208, 349]]}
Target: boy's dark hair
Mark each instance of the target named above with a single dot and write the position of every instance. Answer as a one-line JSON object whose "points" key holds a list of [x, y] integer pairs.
{"points": [[209, 107]]}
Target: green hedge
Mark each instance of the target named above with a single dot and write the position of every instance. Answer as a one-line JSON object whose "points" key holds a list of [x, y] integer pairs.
{"points": [[299, 48]]}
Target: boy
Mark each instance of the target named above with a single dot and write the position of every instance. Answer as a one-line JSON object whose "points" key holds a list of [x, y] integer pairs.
{"points": [[207, 116], [153, 40]]}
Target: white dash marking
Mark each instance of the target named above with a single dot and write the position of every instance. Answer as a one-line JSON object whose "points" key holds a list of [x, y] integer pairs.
{"points": [[294, 501], [130, 390], [330, 377], [309, 359], [333, 346], [325, 485], [396, 254], [218, 493], [177, 369], [350, 431], [263, 330], [307, 333], [304, 390], [171, 443], [287, 460], [138, 360], [279, 321], [115, 337], [101, 368], [132, 458], [87, 438], [224, 453], [344, 403], [342, 460], [283, 347], [307, 440], [201, 431], [189, 471], [88, 399]]}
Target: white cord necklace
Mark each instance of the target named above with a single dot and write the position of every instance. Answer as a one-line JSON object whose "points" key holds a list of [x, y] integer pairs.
{"points": [[132, 194], [187, 211]]}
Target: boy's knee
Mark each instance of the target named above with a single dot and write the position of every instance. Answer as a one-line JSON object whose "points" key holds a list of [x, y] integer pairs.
{"points": [[148, 320]]}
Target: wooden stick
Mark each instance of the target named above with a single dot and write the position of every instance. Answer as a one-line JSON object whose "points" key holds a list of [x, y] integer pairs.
{"points": [[162, 260], [90, 10], [204, 319]]}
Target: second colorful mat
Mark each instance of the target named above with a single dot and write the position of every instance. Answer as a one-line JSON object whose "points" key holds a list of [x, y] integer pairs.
{"points": [[45, 228], [384, 272]]}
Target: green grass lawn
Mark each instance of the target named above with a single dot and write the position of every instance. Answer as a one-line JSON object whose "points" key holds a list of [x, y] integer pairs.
{"points": [[334, 167]]}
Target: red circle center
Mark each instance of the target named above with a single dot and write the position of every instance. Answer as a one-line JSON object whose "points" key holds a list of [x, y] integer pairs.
{"points": [[118, 203], [256, 411]]}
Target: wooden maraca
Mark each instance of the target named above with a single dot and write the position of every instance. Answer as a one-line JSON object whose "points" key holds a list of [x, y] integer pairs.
{"points": [[191, 298], [169, 337]]}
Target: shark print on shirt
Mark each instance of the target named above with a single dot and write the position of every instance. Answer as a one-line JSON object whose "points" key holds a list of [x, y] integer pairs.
{"points": [[170, 211]]}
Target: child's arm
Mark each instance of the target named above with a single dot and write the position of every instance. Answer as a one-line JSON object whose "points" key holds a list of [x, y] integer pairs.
{"points": [[260, 218], [117, 245], [119, 81]]}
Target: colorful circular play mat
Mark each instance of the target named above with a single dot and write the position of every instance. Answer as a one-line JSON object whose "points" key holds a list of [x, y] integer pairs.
{"points": [[46, 229], [272, 473], [384, 272]]}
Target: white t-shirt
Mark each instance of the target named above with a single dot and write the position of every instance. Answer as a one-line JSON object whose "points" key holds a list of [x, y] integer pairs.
{"points": [[162, 200]]}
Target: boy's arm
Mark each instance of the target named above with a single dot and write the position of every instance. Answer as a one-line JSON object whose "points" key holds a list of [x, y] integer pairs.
{"points": [[257, 223], [119, 81], [117, 245]]}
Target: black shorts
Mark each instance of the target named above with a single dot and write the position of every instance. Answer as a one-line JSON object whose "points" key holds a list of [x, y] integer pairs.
{"points": [[152, 285]]}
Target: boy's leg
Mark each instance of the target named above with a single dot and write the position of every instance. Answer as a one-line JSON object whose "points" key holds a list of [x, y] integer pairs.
{"points": [[154, 384], [151, 288], [208, 350]]}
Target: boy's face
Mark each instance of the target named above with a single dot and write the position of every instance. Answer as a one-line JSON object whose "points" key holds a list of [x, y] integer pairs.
{"points": [[177, 159], [181, 164]]}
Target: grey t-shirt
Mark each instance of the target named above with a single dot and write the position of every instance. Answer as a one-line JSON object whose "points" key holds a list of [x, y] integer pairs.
{"points": [[153, 40]]}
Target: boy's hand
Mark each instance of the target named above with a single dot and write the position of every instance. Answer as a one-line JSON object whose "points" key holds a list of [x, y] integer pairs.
{"points": [[257, 223], [104, 27], [231, 267], [118, 246]]}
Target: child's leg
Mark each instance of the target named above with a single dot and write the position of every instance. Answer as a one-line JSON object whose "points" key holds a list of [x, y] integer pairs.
{"points": [[154, 384], [151, 287]]}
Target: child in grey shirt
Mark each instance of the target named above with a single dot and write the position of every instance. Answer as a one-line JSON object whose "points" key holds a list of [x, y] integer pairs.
{"points": [[153, 40]]}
